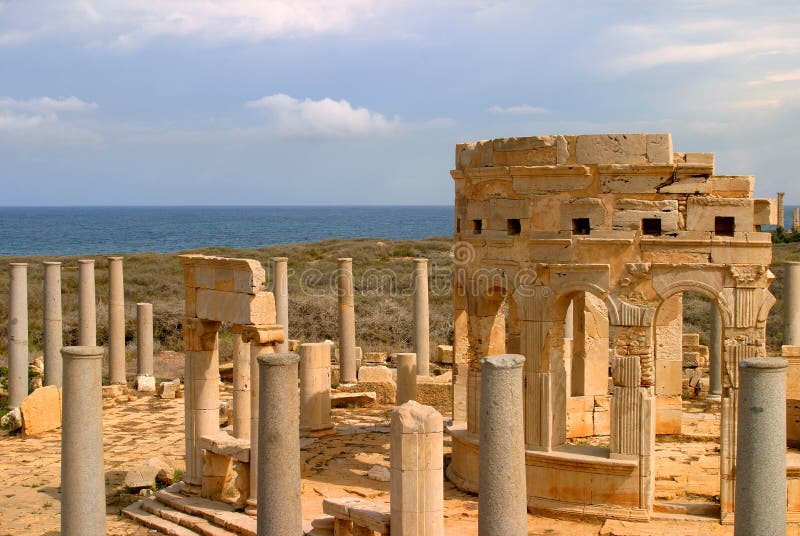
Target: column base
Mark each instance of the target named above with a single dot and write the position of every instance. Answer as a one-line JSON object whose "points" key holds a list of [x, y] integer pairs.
{"points": [[714, 397], [190, 489], [252, 507], [317, 431]]}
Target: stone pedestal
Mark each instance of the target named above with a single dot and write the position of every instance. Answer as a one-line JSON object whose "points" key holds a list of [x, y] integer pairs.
{"points": [[281, 291], [502, 501], [87, 306], [791, 303], [761, 449], [17, 334], [417, 496], [406, 378], [53, 327], [116, 322], [347, 323], [144, 339], [83, 497], [201, 376], [241, 385], [715, 354], [421, 317], [315, 385], [279, 507]]}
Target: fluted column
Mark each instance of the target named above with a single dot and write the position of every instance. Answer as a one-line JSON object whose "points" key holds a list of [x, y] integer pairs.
{"points": [[53, 326], [281, 292], [83, 492], [87, 305], [18, 334], [116, 321], [347, 323], [422, 338]]}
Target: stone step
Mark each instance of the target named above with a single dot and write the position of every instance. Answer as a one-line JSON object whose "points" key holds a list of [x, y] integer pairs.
{"points": [[196, 524], [136, 513], [215, 512]]}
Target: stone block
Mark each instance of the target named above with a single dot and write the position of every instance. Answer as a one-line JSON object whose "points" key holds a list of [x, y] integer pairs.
{"points": [[41, 410], [701, 213], [444, 354], [734, 186], [690, 339], [580, 424], [142, 477], [612, 149], [375, 374], [237, 308], [706, 159], [668, 377], [668, 415], [146, 384], [602, 423], [375, 357], [691, 360], [765, 212], [346, 399], [169, 390], [659, 148], [790, 351], [634, 179], [586, 207]]}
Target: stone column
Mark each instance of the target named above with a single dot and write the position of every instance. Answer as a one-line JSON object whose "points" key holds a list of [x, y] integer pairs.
{"points": [[796, 220], [144, 339], [87, 306], [422, 337], [791, 303], [761, 450], [18, 334], [315, 386], [416, 460], [262, 341], [279, 507], [201, 377], [406, 378], [715, 351], [781, 211], [116, 321], [83, 493], [53, 327], [502, 499], [241, 385], [281, 292], [347, 323]]}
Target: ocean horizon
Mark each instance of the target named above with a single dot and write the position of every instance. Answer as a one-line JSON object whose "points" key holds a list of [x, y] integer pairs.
{"points": [[95, 230]]}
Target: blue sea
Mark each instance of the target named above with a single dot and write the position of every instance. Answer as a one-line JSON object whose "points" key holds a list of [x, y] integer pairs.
{"points": [[98, 230]]}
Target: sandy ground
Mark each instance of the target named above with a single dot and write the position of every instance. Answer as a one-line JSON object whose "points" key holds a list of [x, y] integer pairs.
{"points": [[335, 466]]}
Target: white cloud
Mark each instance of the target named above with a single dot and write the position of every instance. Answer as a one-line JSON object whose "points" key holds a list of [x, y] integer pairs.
{"points": [[774, 78], [520, 109], [322, 119], [38, 121]]}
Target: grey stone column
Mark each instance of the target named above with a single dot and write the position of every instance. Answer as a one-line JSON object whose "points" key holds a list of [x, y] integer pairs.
{"points": [[144, 339], [241, 385], [502, 499], [347, 323], [760, 496], [83, 493], [791, 303], [781, 211], [416, 459], [18, 334], [315, 387], [406, 378], [281, 292], [87, 305], [422, 337], [116, 321], [279, 507], [715, 350], [53, 326]]}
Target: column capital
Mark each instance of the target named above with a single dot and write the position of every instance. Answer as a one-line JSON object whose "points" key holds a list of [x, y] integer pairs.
{"points": [[200, 335], [262, 333]]}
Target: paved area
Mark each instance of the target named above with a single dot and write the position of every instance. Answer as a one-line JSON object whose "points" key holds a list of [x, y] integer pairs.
{"points": [[334, 466]]}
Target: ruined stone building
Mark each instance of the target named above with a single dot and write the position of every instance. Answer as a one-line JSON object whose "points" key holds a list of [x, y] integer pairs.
{"points": [[613, 229]]}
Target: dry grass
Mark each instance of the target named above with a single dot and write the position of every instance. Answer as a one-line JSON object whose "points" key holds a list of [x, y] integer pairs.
{"points": [[383, 302]]}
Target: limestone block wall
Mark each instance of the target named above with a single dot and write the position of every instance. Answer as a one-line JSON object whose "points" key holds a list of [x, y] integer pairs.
{"points": [[544, 221]]}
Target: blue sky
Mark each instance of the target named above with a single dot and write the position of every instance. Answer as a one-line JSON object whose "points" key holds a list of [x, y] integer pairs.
{"points": [[362, 101]]}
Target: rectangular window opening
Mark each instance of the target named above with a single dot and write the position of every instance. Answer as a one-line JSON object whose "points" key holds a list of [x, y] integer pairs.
{"points": [[651, 226], [724, 226], [477, 226], [581, 226], [514, 226]]}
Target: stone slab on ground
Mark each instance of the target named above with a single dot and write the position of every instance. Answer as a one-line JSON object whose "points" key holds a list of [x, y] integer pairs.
{"points": [[41, 410], [358, 399]]}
